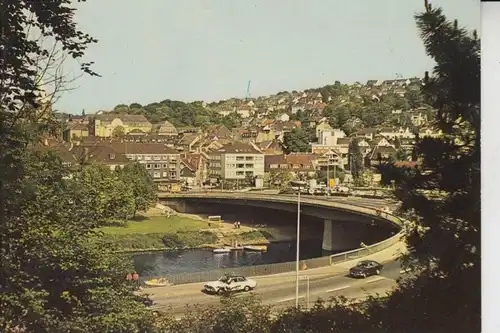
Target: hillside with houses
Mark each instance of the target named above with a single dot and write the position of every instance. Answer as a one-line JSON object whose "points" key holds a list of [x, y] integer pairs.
{"points": [[313, 134]]}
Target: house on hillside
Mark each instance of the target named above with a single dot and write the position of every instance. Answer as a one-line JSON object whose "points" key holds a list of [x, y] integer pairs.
{"points": [[166, 128], [105, 124], [197, 164], [218, 132], [271, 147], [330, 159], [76, 132], [77, 157], [283, 117], [381, 154], [367, 133], [298, 164], [188, 141]]}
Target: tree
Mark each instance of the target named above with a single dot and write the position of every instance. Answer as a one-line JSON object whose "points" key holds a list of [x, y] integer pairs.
{"points": [[57, 274], [414, 97], [280, 179], [144, 189], [402, 155], [355, 158], [110, 195], [297, 140], [443, 192], [237, 315], [118, 132]]}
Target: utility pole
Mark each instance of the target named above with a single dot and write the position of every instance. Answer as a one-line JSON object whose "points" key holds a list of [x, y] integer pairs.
{"points": [[328, 174], [299, 185], [298, 253]]}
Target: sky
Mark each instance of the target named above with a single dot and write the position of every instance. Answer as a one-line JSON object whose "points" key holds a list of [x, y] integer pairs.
{"points": [[188, 50]]}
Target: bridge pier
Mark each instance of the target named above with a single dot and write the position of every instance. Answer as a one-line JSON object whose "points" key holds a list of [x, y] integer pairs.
{"points": [[342, 236]]}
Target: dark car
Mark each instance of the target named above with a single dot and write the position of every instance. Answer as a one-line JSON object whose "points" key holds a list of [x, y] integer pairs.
{"points": [[366, 268]]}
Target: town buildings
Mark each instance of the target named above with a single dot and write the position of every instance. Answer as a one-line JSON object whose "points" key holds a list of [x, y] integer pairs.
{"points": [[236, 160]]}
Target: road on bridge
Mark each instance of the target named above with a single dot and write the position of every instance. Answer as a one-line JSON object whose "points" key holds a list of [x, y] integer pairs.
{"points": [[280, 292]]}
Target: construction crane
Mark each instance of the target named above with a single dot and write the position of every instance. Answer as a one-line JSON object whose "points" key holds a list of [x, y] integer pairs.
{"points": [[248, 90]]}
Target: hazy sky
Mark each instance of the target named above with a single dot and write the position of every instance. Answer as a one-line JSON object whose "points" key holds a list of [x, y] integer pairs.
{"points": [[151, 50]]}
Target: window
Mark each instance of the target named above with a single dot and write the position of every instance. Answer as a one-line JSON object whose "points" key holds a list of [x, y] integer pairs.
{"points": [[147, 158], [148, 166], [240, 158], [165, 166], [165, 157], [157, 157], [157, 166], [156, 175], [173, 175], [165, 174], [240, 166], [139, 157], [240, 173], [248, 165], [249, 158]]}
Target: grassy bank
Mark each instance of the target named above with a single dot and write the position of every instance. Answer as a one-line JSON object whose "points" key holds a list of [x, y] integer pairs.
{"points": [[158, 233], [158, 224], [161, 233]]}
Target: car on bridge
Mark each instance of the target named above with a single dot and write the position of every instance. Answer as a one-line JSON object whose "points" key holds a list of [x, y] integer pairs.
{"points": [[365, 268], [229, 284]]}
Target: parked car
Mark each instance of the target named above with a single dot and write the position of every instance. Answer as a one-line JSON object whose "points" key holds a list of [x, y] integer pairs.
{"points": [[342, 189], [366, 268], [229, 284]]}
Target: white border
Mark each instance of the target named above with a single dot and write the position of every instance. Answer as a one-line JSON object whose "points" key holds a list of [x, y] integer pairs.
{"points": [[490, 162]]}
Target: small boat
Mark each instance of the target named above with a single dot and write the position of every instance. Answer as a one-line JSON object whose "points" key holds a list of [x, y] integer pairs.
{"points": [[221, 250], [256, 248], [161, 282]]}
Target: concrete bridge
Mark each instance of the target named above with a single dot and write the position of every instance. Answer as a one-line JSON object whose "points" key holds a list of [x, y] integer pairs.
{"points": [[345, 225]]}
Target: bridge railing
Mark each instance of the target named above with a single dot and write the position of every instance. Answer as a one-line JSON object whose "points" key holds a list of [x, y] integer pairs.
{"points": [[349, 207]]}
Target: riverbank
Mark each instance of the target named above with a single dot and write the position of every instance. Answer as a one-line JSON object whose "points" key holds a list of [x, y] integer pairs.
{"points": [[161, 229]]}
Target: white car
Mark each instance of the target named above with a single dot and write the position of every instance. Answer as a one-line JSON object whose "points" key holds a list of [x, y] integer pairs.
{"points": [[230, 284]]}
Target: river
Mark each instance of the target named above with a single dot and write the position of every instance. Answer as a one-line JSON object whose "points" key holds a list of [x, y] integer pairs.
{"points": [[156, 264]]}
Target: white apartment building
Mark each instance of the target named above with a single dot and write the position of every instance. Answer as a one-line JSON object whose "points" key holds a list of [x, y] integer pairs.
{"points": [[330, 137], [236, 160]]}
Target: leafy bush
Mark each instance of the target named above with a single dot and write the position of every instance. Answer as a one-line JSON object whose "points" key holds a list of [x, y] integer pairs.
{"points": [[172, 241]]}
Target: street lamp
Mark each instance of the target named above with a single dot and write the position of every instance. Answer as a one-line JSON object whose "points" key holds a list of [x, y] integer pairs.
{"points": [[299, 185]]}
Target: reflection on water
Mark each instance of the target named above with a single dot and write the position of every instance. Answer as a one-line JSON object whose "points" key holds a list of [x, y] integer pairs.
{"points": [[164, 263]]}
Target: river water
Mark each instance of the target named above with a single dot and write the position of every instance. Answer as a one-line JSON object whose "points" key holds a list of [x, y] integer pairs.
{"points": [[157, 264]]}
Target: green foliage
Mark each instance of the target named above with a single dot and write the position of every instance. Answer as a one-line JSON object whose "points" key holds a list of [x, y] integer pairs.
{"points": [[110, 196], [356, 160], [446, 236], [135, 241], [279, 179], [143, 187], [337, 116], [173, 241], [118, 132], [235, 315], [297, 140], [180, 114], [56, 270], [56, 273]]}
